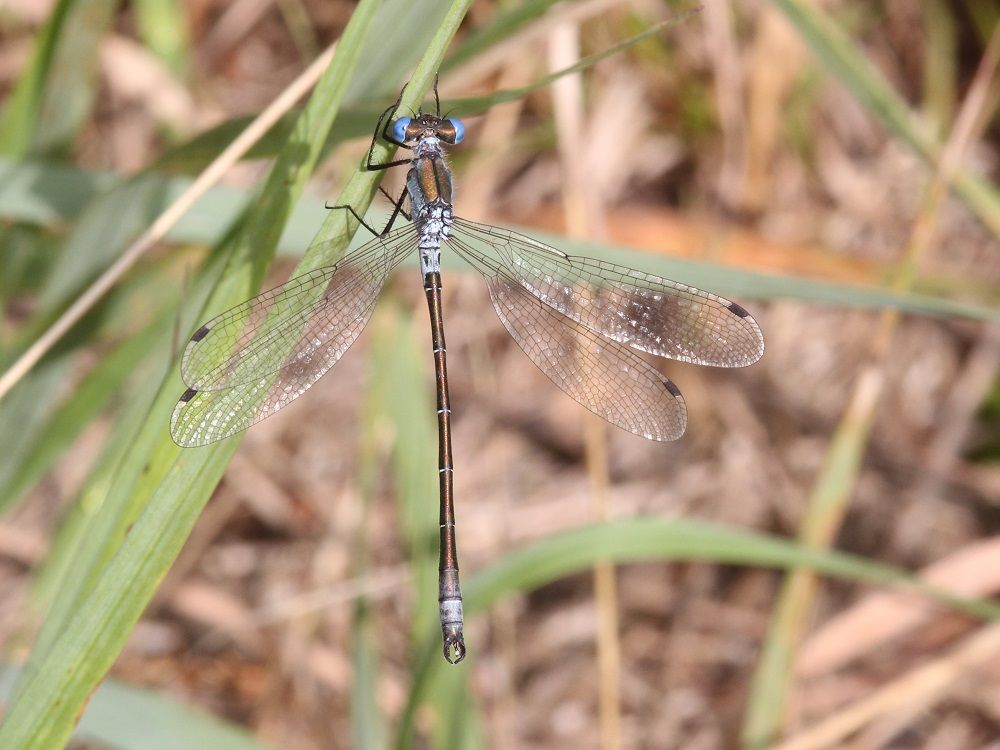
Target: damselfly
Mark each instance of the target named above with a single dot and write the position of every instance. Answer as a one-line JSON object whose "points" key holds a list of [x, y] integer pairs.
{"points": [[581, 321]]}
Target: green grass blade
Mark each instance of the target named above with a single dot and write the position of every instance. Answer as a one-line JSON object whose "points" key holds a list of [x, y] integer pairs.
{"points": [[366, 720], [940, 61], [826, 506], [88, 400], [107, 504], [407, 409], [22, 422], [52, 194], [81, 537], [17, 121], [460, 725], [400, 34], [506, 23], [29, 253], [645, 539], [55, 92], [77, 529], [739, 282], [848, 64], [103, 231], [159, 490], [163, 27], [199, 150], [357, 121], [655, 539], [845, 61], [478, 104], [33, 191], [47, 192], [124, 717]]}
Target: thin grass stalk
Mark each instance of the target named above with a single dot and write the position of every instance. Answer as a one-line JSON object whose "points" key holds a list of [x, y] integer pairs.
{"points": [[366, 720], [826, 40], [163, 28], [939, 62], [605, 591], [168, 219], [582, 211], [300, 28], [917, 689], [830, 498]]}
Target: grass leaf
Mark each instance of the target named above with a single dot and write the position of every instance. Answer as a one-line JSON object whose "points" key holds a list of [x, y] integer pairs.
{"points": [[157, 493], [33, 191], [664, 540]]}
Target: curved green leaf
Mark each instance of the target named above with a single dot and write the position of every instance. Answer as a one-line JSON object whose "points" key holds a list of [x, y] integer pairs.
{"points": [[65, 189], [655, 539]]}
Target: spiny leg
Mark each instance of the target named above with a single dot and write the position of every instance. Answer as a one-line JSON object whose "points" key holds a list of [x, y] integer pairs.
{"points": [[398, 203], [396, 211], [349, 208], [385, 121]]}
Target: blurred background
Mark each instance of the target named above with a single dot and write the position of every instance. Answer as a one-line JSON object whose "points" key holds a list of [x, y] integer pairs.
{"points": [[831, 165]]}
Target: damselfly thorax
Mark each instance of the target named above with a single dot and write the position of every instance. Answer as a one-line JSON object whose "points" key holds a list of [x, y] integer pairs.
{"points": [[429, 187]]}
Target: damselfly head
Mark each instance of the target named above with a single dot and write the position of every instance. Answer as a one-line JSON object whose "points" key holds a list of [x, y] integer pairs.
{"points": [[412, 129]]}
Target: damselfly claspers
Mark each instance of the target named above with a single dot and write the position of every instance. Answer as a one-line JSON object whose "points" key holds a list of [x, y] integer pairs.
{"points": [[581, 321]]}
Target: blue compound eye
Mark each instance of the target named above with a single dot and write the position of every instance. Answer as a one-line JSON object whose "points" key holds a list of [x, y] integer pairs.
{"points": [[399, 129], [459, 128]]}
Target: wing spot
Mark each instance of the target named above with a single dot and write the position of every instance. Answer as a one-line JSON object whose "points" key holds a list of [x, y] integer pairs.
{"points": [[200, 333], [188, 395], [672, 389], [733, 307]]}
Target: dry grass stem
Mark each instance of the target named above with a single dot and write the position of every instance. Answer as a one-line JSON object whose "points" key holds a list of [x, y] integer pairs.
{"points": [[583, 219], [170, 216], [920, 687]]}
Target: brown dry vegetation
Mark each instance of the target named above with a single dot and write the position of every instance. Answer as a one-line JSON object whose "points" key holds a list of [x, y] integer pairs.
{"points": [[723, 141]]}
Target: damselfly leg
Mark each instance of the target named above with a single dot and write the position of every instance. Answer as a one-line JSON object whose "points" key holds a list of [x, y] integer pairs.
{"points": [[397, 210]]}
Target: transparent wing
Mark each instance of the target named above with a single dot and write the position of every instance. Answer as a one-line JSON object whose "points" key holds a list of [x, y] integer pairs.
{"points": [[607, 378], [261, 355], [634, 308], [256, 337]]}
